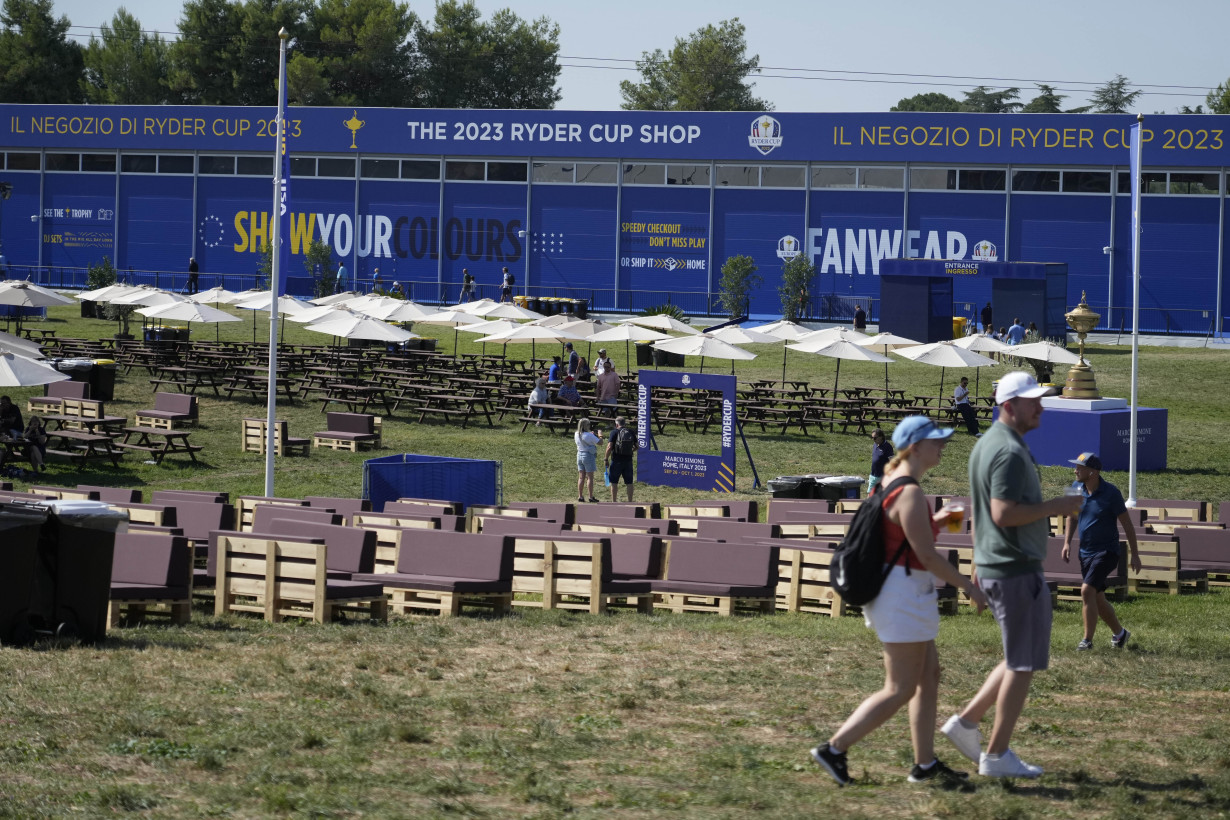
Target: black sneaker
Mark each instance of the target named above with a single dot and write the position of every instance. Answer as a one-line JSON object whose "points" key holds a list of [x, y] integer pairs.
{"points": [[1121, 641], [833, 762], [938, 772]]}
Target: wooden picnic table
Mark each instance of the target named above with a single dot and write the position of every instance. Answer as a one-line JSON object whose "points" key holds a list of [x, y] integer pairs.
{"points": [[58, 421], [254, 381], [82, 447], [158, 442], [186, 379], [453, 406], [356, 397], [562, 415]]}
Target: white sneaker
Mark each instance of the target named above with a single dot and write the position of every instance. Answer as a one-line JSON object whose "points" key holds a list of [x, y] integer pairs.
{"points": [[967, 741], [1007, 765]]}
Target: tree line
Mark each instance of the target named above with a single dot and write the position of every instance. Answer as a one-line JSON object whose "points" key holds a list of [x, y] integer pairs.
{"points": [[342, 52], [380, 53]]}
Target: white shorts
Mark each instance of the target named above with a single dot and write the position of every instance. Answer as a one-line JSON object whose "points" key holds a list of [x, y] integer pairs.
{"points": [[906, 610]]}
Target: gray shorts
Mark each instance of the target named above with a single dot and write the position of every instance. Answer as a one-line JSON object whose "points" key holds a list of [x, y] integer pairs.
{"points": [[1022, 607]]}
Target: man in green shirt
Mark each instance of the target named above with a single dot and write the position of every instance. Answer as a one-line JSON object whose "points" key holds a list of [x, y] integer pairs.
{"points": [[1010, 526]]}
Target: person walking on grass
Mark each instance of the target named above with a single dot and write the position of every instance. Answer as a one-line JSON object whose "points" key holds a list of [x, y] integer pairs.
{"points": [[1097, 523], [905, 615], [1011, 526], [587, 458], [620, 452]]}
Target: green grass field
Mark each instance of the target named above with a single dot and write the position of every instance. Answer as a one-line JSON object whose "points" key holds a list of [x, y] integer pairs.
{"points": [[565, 715]]}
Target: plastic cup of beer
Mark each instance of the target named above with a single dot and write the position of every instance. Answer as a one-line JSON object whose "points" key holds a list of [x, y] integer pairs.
{"points": [[956, 516]]}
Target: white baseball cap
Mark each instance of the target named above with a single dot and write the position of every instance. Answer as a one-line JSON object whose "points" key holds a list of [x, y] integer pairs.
{"points": [[1020, 384]]}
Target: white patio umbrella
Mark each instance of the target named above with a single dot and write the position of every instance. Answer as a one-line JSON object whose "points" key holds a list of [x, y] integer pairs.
{"points": [[833, 334], [146, 296], [263, 300], [450, 318], [362, 327], [555, 320], [105, 293], [216, 295], [532, 334], [704, 345], [884, 343], [19, 371], [980, 343], [189, 310], [401, 312], [784, 329], [26, 295], [627, 333], [492, 328], [586, 328], [1045, 352], [20, 346], [736, 335], [506, 310], [334, 298], [475, 306], [944, 355], [320, 313], [839, 349], [661, 322]]}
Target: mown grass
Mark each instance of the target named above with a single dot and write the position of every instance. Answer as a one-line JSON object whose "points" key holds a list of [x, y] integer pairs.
{"points": [[1191, 383], [557, 714]]}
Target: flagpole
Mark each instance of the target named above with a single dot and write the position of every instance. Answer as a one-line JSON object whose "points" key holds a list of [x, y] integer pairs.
{"points": [[1136, 154], [281, 196]]}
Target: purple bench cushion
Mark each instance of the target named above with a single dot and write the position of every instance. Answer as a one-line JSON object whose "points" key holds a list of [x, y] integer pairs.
{"points": [[335, 590], [199, 518], [715, 590], [146, 592], [726, 529], [436, 583], [347, 507], [265, 513], [635, 556], [362, 424], [348, 549], [693, 561], [151, 559], [508, 525], [455, 555]]}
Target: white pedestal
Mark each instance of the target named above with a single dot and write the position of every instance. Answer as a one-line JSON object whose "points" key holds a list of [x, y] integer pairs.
{"points": [[1061, 403]]}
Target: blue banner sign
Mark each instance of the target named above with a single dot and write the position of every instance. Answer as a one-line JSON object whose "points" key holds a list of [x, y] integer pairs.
{"points": [[963, 268], [1032, 139], [692, 470]]}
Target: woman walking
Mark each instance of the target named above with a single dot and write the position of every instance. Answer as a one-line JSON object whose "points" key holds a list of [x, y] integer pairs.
{"points": [[905, 615], [587, 458]]}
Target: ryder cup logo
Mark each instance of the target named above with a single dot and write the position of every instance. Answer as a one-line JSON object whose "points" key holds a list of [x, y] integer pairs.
{"points": [[686, 380], [984, 251], [788, 247], [766, 134]]}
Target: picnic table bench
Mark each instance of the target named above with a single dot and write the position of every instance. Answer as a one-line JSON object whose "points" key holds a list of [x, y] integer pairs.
{"points": [[186, 379], [159, 442], [82, 447], [463, 407], [562, 415]]}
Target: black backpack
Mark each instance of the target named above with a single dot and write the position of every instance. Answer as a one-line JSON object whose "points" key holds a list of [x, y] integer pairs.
{"points": [[512, 280], [625, 443], [858, 568]]}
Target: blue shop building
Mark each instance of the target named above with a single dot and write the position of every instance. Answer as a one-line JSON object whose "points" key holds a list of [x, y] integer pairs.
{"points": [[625, 209]]}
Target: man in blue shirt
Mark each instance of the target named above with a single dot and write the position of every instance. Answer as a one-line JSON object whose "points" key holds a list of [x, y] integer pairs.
{"points": [[1097, 524], [555, 373], [1016, 333], [340, 283], [881, 452]]}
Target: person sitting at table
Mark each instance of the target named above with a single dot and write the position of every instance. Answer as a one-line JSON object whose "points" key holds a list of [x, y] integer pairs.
{"points": [[37, 436], [11, 424], [582, 373], [556, 371], [539, 395], [568, 393], [396, 290]]}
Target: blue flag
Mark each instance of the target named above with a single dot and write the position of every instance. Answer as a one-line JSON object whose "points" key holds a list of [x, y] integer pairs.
{"points": [[1135, 152]]}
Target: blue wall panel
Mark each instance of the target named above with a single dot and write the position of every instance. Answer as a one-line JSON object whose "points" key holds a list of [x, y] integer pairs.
{"points": [[406, 213], [572, 242], [750, 222], [850, 232], [223, 203], [1178, 262], [481, 222], [21, 235], [1071, 229], [664, 247], [78, 219], [155, 214], [952, 226]]}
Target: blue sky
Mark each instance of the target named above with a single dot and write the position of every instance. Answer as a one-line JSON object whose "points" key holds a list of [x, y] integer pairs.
{"points": [[841, 56]]}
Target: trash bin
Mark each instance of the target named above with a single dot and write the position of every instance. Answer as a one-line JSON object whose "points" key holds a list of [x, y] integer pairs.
{"points": [[21, 524], [534, 303], [102, 380], [837, 487], [582, 308], [644, 354], [89, 310], [77, 369], [664, 358], [72, 582], [520, 301], [792, 486], [958, 327], [570, 306]]}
